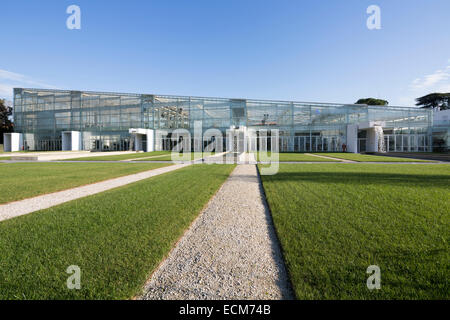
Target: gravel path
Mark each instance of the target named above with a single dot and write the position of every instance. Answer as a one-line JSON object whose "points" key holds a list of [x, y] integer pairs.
{"points": [[19, 208], [230, 251]]}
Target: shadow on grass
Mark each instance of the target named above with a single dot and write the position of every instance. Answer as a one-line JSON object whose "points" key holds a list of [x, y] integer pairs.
{"points": [[284, 279], [363, 178]]}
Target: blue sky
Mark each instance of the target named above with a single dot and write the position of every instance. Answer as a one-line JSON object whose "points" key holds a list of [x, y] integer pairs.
{"points": [[288, 50]]}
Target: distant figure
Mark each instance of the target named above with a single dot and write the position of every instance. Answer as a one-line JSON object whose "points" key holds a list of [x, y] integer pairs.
{"points": [[344, 147]]}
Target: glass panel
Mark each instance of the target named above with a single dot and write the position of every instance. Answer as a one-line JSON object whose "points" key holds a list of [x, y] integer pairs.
{"points": [[109, 116], [405, 143]]}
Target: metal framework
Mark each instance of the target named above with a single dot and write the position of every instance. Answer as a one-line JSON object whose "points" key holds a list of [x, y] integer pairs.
{"points": [[104, 119]]}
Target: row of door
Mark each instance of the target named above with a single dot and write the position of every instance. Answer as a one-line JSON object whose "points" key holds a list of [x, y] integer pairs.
{"points": [[400, 143], [407, 143], [285, 144]]}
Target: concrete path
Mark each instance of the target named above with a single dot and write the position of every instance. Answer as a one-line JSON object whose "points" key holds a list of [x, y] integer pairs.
{"points": [[247, 158], [230, 157], [62, 155], [230, 251], [328, 157], [150, 157], [22, 207]]}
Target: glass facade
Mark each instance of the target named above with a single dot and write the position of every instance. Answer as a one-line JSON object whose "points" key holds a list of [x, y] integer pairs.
{"points": [[104, 119], [441, 134]]}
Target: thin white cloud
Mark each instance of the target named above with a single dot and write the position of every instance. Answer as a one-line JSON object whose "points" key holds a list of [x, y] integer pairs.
{"points": [[10, 80], [432, 80], [5, 91], [438, 81]]}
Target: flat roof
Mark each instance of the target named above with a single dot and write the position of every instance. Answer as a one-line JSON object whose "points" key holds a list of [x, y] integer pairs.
{"points": [[211, 98]]}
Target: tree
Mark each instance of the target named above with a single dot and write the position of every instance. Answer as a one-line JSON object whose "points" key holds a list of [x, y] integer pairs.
{"points": [[5, 123], [373, 102], [434, 100]]}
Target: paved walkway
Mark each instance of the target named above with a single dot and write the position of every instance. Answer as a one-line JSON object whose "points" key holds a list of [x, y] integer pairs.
{"points": [[328, 157], [247, 158], [62, 155], [22, 207], [151, 157], [229, 252]]}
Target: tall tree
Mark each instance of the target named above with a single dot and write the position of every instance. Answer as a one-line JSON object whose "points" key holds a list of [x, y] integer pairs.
{"points": [[434, 100], [373, 102], [5, 123]]}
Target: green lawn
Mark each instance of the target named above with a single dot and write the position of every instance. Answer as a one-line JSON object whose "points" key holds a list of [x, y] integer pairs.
{"points": [[334, 220], [369, 158], [134, 155], [5, 158], [23, 180], [117, 237], [300, 157]]}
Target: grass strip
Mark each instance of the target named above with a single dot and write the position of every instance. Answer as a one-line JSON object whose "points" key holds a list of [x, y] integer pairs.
{"points": [[334, 220], [116, 238], [295, 157], [369, 158], [24, 180]]}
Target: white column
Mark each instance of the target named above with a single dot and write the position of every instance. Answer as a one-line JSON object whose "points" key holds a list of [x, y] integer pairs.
{"points": [[372, 140], [352, 138], [150, 140], [76, 140], [71, 140]]}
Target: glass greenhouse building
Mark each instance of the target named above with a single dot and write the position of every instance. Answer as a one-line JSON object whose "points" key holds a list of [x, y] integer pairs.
{"points": [[102, 121]]}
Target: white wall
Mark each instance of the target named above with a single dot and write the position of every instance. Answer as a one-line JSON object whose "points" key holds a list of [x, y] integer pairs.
{"points": [[352, 138], [372, 140], [138, 133], [71, 140], [12, 142], [76, 141], [150, 140]]}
